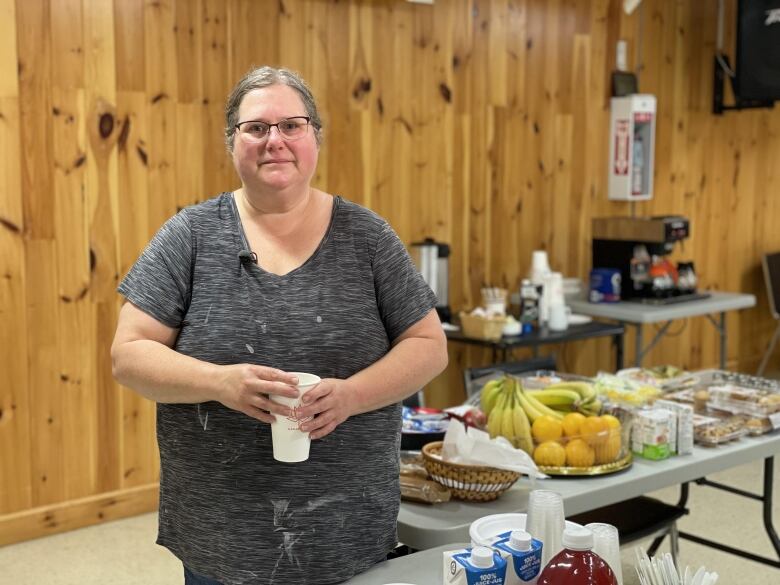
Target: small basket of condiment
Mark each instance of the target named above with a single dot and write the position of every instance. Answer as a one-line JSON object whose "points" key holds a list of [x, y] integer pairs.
{"points": [[475, 483], [489, 327]]}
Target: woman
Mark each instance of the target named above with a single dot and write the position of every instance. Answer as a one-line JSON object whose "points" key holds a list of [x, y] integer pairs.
{"points": [[228, 297]]}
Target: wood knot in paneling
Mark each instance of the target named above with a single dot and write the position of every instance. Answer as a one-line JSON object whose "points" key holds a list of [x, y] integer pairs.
{"points": [[405, 123], [142, 155], [9, 225], [102, 133], [123, 133], [362, 87], [106, 125]]}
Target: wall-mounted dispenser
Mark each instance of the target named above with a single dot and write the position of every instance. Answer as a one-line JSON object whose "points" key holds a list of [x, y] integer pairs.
{"points": [[632, 147]]}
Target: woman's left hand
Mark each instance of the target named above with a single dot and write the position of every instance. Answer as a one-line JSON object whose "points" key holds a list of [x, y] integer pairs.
{"points": [[329, 405]]}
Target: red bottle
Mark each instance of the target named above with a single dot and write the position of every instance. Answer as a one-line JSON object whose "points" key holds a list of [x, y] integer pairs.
{"points": [[577, 564]]}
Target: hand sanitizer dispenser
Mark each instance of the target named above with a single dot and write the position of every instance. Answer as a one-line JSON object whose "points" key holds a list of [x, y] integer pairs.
{"points": [[632, 147]]}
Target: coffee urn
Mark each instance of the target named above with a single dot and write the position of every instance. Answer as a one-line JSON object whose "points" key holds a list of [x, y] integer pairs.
{"points": [[432, 259]]}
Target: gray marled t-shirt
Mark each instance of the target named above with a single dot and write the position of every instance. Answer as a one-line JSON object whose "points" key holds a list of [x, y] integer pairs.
{"points": [[228, 510]]}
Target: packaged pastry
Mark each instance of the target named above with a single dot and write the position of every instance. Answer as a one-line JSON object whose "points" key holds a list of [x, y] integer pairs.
{"points": [[426, 491], [742, 400], [713, 431]]}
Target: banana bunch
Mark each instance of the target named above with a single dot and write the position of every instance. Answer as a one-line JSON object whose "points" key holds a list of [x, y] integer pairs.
{"points": [[490, 393], [511, 410], [569, 397], [507, 418]]}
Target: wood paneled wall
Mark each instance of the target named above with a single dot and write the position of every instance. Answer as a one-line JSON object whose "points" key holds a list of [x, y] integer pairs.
{"points": [[481, 123]]}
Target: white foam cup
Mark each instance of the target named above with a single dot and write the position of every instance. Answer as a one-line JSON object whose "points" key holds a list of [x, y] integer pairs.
{"points": [[291, 445], [559, 318]]}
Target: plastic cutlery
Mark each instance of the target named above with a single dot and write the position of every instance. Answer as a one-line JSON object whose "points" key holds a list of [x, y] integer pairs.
{"points": [[674, 574], [698, 577], [658, 573]]}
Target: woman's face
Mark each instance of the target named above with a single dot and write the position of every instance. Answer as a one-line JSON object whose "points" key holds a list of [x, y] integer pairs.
{"points": [[275, 163]]}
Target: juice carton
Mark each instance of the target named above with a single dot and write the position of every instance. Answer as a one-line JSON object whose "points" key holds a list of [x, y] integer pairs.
{"points": [[650, 435], [474, 566], [683, 413], [523, 555]]}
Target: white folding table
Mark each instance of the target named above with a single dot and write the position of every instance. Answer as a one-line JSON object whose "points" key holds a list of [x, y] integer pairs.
{"points": [[637, 314], [422, 526]]}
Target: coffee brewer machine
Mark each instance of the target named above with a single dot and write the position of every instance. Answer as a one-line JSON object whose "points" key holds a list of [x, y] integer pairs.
{"points": [[432, 259], [638, 247]]}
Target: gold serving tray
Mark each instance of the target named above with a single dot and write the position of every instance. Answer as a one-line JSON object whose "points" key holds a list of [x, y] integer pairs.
{"points": [[604, 469]]}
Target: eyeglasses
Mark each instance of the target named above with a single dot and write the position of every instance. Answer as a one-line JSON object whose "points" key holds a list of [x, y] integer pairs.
{"points": [[292, 128]]}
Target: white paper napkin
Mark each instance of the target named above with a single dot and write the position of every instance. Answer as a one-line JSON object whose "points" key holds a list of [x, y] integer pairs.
{"points": [[474, 447]]}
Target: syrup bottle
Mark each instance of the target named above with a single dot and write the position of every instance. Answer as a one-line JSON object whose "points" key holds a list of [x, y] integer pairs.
{"points": [[577, 564]]}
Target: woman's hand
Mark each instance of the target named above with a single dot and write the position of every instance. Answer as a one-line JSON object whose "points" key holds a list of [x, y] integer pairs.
{"points": [[246, 388], [329, 403]]}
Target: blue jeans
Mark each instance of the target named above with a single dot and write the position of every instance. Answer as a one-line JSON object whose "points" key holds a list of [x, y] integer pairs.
{"points": [[191, 578]]}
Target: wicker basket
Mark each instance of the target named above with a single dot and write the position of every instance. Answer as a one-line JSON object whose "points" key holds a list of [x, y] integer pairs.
{"points": [[475, 483], [482, 327]]}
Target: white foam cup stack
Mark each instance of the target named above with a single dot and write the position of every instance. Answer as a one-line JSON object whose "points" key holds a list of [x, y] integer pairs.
{"points": [[291, 445], [540, 266]]}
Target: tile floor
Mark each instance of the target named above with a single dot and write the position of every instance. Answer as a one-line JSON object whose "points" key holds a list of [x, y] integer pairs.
{"points": [[123, 552]]}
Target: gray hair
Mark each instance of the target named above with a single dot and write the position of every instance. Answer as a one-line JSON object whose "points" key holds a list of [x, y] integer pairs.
{"points": [[264, 77]]}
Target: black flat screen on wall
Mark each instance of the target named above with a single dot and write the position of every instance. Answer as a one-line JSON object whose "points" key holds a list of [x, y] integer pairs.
{"points": [[758, 50]]}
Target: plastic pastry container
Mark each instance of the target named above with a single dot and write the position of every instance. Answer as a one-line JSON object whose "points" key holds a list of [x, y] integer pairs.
{"points": [[759, 425], [741, 400], [722, 377], [539, 379], [712, 431]]}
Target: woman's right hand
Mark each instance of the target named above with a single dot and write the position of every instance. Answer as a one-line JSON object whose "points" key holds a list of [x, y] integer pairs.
{"points": [[247, 388]]}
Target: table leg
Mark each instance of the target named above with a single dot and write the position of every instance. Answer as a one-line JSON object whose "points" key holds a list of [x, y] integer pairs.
{"points": [[720, 326], [769, 464], [640, 351], [618, 341], [724, 337], [638, 346], [765, 499]]}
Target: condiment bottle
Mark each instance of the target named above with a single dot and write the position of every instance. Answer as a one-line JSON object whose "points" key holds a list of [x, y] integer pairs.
{"points": [[577, 564]]}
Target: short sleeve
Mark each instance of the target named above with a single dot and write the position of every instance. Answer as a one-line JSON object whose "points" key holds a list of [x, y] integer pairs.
{"points": [[159, 283], [403, 295]]}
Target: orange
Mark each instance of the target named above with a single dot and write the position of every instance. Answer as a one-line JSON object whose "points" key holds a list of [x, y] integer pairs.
{"points": [[593, 430], [572, 424], [550, 453], [546, 428], [612, 421], [579, 454], [608, 451]]}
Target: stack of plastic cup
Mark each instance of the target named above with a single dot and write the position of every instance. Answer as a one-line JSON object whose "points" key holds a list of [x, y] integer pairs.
{"points": [[606, 544], [546, 521], [540, 266]]}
